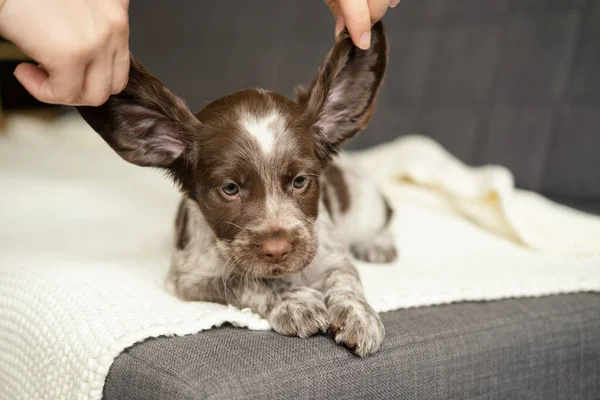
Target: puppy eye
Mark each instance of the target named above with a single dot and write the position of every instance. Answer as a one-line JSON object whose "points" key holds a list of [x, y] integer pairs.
{"points": [[231, 189], [300, 182]]}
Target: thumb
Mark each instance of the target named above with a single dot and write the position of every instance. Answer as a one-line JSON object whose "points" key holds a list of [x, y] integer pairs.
{"points": [[358, 21], [36, 81]]}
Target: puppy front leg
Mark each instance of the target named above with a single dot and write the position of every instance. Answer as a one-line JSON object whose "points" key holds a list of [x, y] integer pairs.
{"points": [[291, 310], [352, 320]]}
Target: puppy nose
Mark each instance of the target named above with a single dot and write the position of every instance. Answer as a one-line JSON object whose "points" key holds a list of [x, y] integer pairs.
{"points": [[275, 250]]}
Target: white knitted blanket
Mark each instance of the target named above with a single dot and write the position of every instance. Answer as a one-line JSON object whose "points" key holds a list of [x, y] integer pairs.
{"points": [[85, 245]]}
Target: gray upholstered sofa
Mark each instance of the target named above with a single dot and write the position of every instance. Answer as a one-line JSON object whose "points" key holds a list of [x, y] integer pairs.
{"points": [[514, 82]]}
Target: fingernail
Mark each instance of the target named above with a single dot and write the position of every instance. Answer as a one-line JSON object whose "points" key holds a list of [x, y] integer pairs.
{"points": [[365, 41], [394, 3]]}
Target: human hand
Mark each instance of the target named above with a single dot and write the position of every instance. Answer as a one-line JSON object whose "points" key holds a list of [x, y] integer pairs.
{"points": [[82, 47], [358, 16]]}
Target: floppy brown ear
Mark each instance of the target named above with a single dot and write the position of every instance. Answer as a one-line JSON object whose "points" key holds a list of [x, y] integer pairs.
{"points": [[341, 98], [146, 124]]}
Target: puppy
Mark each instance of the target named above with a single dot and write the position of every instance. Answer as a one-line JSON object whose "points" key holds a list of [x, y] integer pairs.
{"points": [[270, 214]]}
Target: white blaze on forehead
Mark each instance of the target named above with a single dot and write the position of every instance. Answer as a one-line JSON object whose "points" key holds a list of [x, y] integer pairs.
{"points": [[264, 129]]}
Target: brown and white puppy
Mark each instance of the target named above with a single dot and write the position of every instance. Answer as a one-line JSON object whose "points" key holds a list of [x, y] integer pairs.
{"points": [[268, 218]]}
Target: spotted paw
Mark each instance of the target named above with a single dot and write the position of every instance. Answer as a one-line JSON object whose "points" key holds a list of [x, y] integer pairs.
{"points": [[357, 326], [301, 313], [380, 249]]}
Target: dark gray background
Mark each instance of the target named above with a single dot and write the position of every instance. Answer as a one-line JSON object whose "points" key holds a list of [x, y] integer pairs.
{"points": [[515, 82]]}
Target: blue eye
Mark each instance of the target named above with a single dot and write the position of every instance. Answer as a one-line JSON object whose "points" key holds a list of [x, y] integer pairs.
{"points": [[231, 189], [300, 182]]}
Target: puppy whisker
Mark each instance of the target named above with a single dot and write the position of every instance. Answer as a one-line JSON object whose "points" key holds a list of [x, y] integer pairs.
{"points": [[237, 226]]}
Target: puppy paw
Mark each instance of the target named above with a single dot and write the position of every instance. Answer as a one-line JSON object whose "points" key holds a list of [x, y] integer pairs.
{"points": [[357, 326], [301, 313], [379, 249]]}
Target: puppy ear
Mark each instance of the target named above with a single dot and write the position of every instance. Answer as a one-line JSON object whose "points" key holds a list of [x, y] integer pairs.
{"points": [[341, 98], [146, 124]]}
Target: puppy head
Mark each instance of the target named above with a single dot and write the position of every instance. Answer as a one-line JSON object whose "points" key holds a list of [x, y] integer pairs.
{"points": [[250, 160]]}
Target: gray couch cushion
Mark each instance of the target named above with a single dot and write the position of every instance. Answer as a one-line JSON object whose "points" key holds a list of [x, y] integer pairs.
{"points": [[545, 348], [590, 206]]}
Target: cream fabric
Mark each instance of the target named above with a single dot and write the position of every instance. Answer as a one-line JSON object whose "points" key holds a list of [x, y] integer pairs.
{"points": [[85, 246]]}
